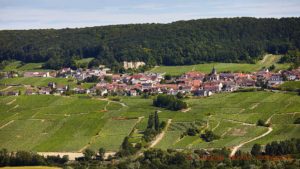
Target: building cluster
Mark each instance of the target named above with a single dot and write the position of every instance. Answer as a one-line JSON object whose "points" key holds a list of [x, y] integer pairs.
{"points": [[194, 83]]}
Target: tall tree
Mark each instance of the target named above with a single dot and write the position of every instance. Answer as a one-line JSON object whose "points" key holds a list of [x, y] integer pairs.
{"points": [[150, 122], [156, 121], [88, 154], [256, 150]]}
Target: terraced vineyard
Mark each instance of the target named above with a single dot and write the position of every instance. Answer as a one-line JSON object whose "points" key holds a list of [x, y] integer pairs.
{"points": [[233, 117], [56, 123]]}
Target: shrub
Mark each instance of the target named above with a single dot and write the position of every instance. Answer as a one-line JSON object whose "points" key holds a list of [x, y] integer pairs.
{"points": [[192, 131], [209, 136], [117, 99], [260, 122], [297, 121]]}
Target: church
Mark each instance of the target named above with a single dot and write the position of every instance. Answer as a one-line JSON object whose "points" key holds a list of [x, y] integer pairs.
{"points": [[213, 76]]}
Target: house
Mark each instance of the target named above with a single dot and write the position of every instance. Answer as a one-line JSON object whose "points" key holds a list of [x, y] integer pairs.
{"points": [[52, 85], [132, 93], [292, 75], [227, 76], [212, 86], [79, 90], [275, 79], [37, 74], [61, 89], [201, 92], [194, 75], [185, 89], [30, 92], [245, 82], [99, 91], [230, 88], [45, 90], [13, 93]]}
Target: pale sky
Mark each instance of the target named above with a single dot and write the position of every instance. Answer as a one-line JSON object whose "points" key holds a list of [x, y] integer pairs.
{"points": [[35, 14]]}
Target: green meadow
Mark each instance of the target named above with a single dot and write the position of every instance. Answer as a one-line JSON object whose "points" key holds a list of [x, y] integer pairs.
{"points": [[57, 123], [221, 67], [290, 86], [19, 66]]}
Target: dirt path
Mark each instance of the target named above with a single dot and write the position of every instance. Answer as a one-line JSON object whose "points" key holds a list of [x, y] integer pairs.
{"points": [[226, 132], [8, 123], [6, 88], [269, 119], [240, 122], [16, 106], [161, 135], [105, 107], [254, 106], [72, 155], [106, 99], [216, 125], [186, 110], [235, 149], [11, 102]]}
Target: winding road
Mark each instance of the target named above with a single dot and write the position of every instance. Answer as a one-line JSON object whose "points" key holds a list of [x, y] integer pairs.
{"points": [[236, 148]]}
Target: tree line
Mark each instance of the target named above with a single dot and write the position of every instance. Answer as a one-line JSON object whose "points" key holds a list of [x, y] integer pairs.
{"points": [[169, 102], [172, 159], [179, 43], [25, 158], [276, 148]]}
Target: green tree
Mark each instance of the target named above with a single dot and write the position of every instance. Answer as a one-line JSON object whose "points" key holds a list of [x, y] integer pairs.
{"points": [[150, 122], [168, 77], [272, 67], [101, 153], [256, 150], [260, 122], [179, 95], [126, 145], [108, 79], [156, 121], [88, 154], [297, 121]]}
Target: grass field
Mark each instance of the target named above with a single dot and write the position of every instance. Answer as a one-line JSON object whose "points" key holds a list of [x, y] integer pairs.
{"points": [[18, 66], [290, 86], [233, 67], [56, 123], [85, 61], [38, 81]]}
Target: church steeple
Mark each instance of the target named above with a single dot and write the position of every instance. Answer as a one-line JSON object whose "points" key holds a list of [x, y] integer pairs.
{"points": [[214, 71]]}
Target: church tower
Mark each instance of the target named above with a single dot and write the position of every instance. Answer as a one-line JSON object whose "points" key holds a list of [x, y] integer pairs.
{"points": [[214, 71]]}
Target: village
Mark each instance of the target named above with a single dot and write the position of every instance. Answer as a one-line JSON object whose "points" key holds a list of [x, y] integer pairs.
{"points": [[190, 83]]}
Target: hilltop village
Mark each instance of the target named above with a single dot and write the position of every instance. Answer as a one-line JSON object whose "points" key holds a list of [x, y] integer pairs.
{"points": [[191, 83]]}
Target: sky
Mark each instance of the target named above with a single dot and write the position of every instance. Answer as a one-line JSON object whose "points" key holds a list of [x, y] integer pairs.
{"points": [[42, 14]]}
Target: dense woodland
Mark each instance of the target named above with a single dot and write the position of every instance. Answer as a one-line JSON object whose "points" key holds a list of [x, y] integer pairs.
{"points": [[178, 43]]}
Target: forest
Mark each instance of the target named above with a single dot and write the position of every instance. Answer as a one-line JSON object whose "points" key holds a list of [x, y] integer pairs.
{"points": [[242, 40]]}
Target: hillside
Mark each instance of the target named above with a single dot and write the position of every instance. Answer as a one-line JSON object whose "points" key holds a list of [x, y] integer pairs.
{"points": [[266, 62], [71, 124], [178, 43]]}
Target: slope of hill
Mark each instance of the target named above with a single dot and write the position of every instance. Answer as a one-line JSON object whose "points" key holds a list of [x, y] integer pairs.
{"points": [[266, 62], [178, 43], [71, 124]]}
